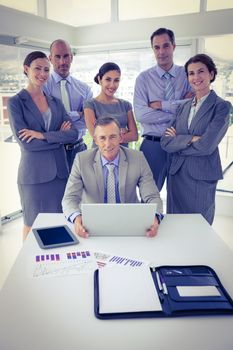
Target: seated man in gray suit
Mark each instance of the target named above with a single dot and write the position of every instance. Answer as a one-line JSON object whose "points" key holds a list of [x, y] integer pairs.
{"points": [[88, 180]]}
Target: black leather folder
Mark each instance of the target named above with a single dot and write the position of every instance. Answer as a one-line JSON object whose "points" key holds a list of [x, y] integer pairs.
{"points": [[169, 284]]}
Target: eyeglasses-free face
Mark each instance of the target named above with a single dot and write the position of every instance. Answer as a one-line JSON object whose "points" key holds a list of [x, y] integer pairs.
{"points": [[61, 58]]}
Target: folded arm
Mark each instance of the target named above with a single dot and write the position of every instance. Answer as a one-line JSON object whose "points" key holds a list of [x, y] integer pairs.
{"points": [[200, 145], [34, 140], [157, 111], [148, 111], [131, 133]]}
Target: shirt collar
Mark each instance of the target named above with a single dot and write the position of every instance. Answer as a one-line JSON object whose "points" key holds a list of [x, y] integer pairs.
{"points": [[200, 101], [58, 78], [114, 161], [171, 71]]}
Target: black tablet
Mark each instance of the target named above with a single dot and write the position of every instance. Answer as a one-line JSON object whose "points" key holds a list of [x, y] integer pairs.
{"points": [[55, 236]]}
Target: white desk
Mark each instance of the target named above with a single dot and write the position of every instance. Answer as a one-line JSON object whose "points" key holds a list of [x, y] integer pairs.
{"points": [[57, 313]]}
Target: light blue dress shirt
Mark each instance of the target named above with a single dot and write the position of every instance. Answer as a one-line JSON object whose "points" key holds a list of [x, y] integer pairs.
{"points": [[150, 87], [78, 93]]}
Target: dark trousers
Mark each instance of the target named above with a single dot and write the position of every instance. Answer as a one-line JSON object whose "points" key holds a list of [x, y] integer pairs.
{"points": [[157, 159], [70, 154]]}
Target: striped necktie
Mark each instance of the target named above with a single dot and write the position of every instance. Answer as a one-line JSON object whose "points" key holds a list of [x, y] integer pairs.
{"points": [[111, 191], [169, 89], [64, 95]]}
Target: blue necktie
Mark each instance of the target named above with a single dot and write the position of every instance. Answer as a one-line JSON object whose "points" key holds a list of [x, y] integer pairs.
{"points": [[169, 89]]}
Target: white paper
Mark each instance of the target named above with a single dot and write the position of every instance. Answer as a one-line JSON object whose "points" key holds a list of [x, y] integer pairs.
{"points": [[127, 290], [62, 264], [198, 291], [105, 259]]}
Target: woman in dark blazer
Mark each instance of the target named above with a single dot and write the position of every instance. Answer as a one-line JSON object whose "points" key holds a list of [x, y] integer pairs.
{"points": [[193, 141], [41, 127]]}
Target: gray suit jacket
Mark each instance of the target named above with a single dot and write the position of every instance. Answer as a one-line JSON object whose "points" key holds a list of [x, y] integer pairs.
{"points": [[86, 181], [201, 158], [41, 160]]}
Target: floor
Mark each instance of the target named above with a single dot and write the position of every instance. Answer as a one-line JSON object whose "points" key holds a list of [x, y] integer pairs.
{"points": [[11, 241]]}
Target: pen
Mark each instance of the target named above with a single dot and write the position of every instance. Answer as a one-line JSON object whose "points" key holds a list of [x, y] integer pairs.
{"points": [[161, 297], [158, 280], [164, 287], [161, 283]]}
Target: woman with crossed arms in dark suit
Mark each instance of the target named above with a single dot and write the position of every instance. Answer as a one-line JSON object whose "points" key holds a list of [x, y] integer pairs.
{"points": [[193, 141], [41, 127]]}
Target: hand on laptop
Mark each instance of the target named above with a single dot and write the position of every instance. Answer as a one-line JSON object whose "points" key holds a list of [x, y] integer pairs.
{"points": [[79, 228], [82, 232], [153, 229]]}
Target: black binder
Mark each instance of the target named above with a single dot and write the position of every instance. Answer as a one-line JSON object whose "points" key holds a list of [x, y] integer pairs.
{"points": [[166, 279]]}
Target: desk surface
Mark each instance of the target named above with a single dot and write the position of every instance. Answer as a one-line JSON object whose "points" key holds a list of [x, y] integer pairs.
{"points": [[57, 313]]}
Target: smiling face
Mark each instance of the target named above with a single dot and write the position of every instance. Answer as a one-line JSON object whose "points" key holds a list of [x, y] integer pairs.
{"points": [[61, 58], [199, 78], [108, 138], [110, 82], [38, 71], [163, 50]]}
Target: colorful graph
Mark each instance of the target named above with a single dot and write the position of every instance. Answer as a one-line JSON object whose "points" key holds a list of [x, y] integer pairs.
{"points": [[62, 264], [104, 259], [77, 262]]}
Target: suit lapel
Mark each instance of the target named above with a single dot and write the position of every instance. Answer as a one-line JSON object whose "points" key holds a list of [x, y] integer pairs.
{"points": [[97, 165], [208, 103], [183, 122], [53, 108], [123, 168], [30, 104]]}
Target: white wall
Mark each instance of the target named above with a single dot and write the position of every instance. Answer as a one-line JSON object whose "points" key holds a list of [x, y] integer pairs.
{"points": [[125, 33]]}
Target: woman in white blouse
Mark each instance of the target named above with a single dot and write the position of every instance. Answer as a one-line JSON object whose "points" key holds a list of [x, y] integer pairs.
{"points": [[193, 141]]}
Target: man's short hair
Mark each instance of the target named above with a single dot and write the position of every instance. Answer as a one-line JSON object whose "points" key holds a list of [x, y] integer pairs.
{"points": [[103, 121], [162, 31], [59, 41]]}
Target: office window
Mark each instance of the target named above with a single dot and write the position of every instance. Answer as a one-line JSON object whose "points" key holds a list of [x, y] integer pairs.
{"points": [[79, 13], [84, 67], [213, 5], [12, 80], [25, 5], [221, 50], [135, 9], [131, 62]]}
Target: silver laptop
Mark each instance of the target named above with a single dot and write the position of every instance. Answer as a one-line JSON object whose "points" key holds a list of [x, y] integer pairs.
{"points": [[118, 219]]}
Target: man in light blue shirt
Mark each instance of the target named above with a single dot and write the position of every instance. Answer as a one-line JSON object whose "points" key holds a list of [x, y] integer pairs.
{"points": [[76, 91], [158, 93]]}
